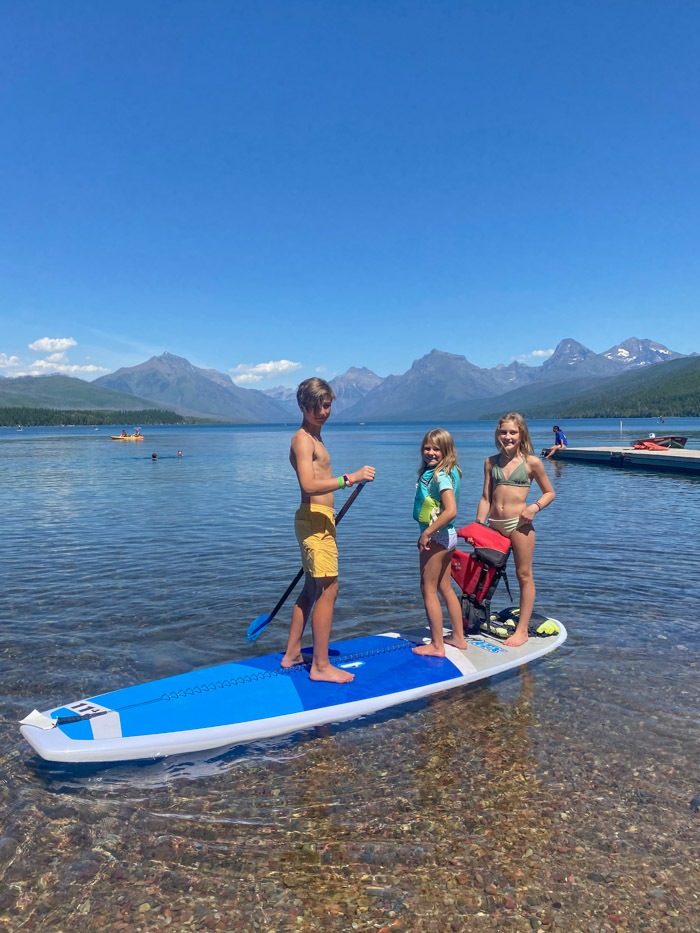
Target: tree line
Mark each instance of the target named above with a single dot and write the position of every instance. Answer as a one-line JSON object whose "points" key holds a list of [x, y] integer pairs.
{"points": [[20, 416]]}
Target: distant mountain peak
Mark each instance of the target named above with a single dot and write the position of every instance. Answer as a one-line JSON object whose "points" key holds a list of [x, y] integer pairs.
{"points": [[355, 371], [167, 357], [567, 353], [282, 393], [640, 352], [352, 386], [176, 383]]}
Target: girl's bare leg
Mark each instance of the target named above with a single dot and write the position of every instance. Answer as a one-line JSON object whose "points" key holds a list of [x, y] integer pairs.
{"points": [[523, 543], [432, 566], [454, 608]]}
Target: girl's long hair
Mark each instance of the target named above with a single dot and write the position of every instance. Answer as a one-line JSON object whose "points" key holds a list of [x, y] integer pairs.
{"points": [[441, 439], [525, 444]]}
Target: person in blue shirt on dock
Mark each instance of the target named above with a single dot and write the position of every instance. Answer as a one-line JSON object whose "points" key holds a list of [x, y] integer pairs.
{"points": [[435, 508], [560, 442]]}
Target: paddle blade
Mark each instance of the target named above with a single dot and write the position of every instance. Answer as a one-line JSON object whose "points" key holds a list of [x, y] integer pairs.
{"points": [[257, 625]]}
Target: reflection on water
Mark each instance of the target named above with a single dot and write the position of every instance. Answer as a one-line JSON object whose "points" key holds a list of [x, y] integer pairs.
{"points": [[558, 797]]}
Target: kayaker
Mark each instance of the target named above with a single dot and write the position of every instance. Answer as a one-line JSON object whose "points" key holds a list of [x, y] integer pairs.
{"points": [[507, 480], [124, 434], [435, 508], [314, 526], [137, 433]]}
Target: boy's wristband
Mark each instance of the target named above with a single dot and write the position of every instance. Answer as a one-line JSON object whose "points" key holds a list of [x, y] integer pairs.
{"points": [[341, 482], [347, 480]]}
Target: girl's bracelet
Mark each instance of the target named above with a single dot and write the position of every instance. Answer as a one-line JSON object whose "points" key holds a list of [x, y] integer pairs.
{"points": [[341, 482], [539, 507], [347, 480]]}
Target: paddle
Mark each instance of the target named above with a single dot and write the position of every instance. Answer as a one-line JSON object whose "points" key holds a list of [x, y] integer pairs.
{"points": [[257, 625]]}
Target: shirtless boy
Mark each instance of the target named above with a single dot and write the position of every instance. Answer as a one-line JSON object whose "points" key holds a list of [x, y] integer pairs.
{"points": [[314, 525]]}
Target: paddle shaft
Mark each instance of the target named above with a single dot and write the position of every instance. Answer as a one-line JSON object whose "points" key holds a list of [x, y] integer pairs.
{"points": [[285, 596]]}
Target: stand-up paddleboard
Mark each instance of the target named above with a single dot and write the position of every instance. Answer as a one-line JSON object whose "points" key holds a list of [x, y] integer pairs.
{"points": [[246, 700]]}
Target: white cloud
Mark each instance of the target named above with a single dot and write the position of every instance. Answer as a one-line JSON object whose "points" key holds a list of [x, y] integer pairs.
{"points": [[244, 374], [55, 360], [52, 344], [321, 369], [534, 355], [51, 365]]}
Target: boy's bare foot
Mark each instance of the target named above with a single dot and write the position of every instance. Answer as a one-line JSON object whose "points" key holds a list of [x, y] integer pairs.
{"points": [[330, 674], [291, 660], [430, 650], [516, 640], [456, 642]]}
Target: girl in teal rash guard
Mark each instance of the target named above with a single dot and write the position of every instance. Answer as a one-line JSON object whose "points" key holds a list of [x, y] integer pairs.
{"points": [[435, 509]]}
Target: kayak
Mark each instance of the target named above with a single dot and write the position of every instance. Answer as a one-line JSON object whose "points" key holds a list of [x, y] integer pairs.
{"points": [[667, 441], [128, 437], [243, 701]]}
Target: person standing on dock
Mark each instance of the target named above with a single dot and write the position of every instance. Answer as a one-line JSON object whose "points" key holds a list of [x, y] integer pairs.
{"points": [[314, 525]]}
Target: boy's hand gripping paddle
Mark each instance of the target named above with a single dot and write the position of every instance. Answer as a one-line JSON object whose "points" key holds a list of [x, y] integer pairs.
{"points": [[257, 625]]}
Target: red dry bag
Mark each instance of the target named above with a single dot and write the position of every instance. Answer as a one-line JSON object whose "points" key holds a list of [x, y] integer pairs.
{"points": [[478, 574]]}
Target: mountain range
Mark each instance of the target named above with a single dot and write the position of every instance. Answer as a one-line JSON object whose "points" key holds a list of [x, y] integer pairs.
{"points": [[438, 385], [173, 382], [349, 388], [447, 385]]}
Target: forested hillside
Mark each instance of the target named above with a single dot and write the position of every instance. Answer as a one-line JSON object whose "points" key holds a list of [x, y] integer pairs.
{"points": [[35, 417], [671, 390]]}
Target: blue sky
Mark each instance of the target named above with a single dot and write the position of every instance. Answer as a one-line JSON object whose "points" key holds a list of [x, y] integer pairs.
{"points": [[344, 183]]}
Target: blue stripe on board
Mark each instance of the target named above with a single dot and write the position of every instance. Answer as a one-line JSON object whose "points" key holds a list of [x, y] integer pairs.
{"points": [[212, 697], [204, 705], [379, 674]]}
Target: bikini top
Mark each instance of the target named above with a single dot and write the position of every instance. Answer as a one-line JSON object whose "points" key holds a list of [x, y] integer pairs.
{"points": [[519, 476]]}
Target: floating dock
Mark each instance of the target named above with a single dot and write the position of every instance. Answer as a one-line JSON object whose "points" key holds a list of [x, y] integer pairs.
{"points": [[672, 460]]}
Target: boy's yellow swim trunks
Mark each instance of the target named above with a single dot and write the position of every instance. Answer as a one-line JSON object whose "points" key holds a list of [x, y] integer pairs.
{"points": [[314, 526]]}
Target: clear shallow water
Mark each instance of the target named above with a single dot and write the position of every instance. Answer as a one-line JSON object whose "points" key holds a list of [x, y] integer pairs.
{"points": [[117, 570]]}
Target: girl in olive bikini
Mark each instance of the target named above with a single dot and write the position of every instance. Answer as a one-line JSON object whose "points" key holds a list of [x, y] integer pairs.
{"points": [[507, 480]]}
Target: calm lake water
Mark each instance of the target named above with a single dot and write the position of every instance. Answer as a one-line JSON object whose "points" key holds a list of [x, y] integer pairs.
{"points": [[556, 798]]}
